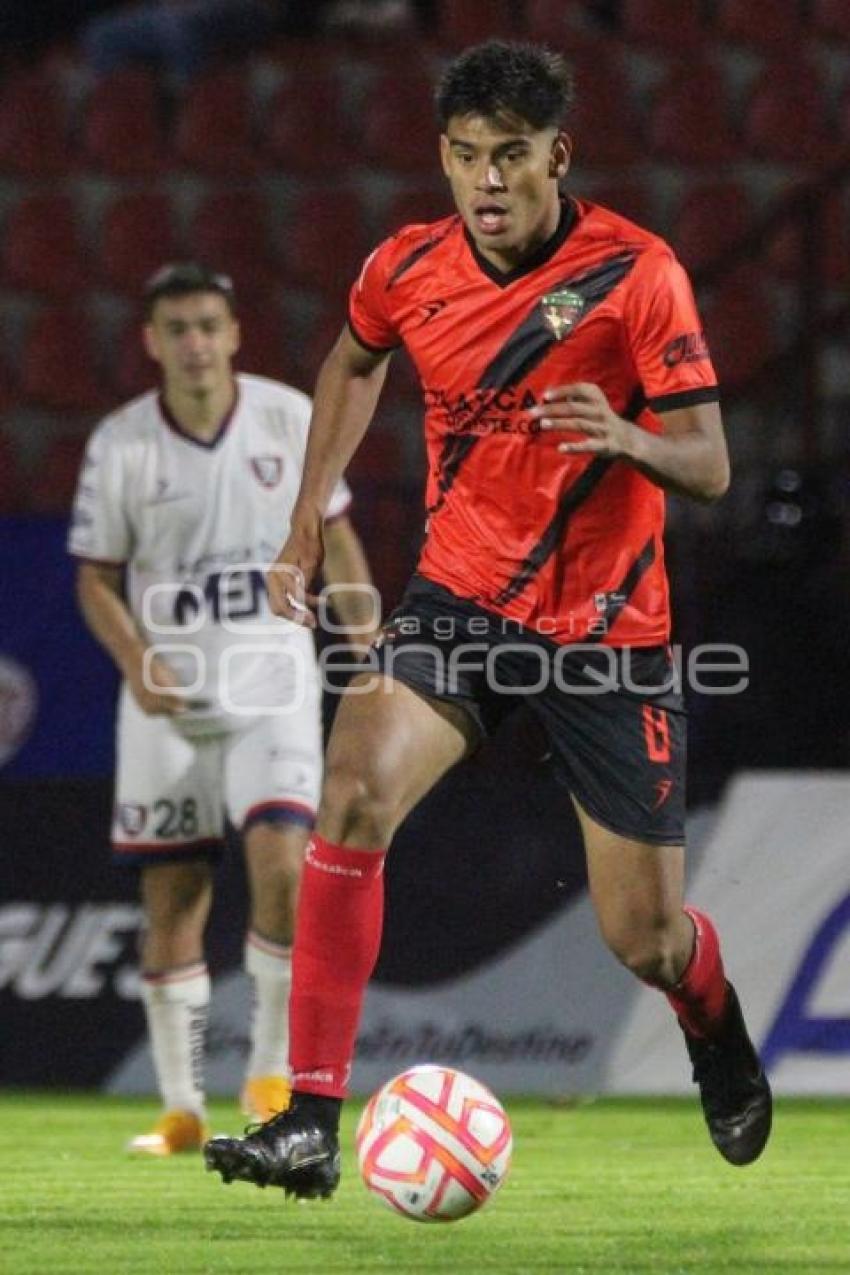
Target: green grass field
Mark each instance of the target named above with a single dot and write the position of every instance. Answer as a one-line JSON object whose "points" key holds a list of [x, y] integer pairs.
{"points": [[606, 1187]]}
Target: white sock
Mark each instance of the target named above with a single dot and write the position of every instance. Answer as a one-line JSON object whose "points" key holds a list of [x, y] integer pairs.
{"points": [[270, 966], [177, 1004]]}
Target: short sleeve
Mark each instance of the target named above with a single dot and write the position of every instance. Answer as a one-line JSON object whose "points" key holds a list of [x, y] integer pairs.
{"points": [[666, 336], [368, 311], [100, 530]]}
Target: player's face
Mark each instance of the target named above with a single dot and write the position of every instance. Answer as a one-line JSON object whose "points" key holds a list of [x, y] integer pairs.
{"points": [[194, 339], [504, 178]]}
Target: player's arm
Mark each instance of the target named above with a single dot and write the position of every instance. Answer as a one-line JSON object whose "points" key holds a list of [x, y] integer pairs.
{"points": [[100, 595], [358, 608], [689, 457], [344, 402]]}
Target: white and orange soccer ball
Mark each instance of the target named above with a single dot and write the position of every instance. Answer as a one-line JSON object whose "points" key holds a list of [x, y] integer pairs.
{"points": [[433, 1144]]}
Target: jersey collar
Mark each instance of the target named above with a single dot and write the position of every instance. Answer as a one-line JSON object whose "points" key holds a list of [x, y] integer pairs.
{"points": [[547, 250], [207, 443]]}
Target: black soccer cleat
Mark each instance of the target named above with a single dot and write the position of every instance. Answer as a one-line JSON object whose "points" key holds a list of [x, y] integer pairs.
{"points": [[734, 1090], [292, 1151]]}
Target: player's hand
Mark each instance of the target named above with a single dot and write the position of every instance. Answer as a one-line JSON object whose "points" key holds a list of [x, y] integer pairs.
{"points": [[583, 409], [155, 688], [290, 576]]}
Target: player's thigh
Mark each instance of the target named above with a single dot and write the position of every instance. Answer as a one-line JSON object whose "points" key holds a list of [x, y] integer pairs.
{"points": [[388, 747], [167, 792]]}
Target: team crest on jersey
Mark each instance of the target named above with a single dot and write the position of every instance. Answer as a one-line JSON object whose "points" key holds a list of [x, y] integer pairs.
{"points": [[268, 470], [562, 310], [132, 818]]}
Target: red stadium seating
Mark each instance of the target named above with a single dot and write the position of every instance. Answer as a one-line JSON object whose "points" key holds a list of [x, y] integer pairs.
{"points": [[264, 350], [121, 132], [785, 255], [415, 204], [785, 118], [32, 130], [41, 250], [132, 372], [710, 220], [57, 365], [463, 22], [304, 131], [689, 123], [662, 25], [137, 235], [11, 483], [603, 130], [230, 232], [831, 19], [54, 483], [397, 128], [761, 24], [739, 328], [214, 130], [548, 22], [629, 198], [323, 243]]}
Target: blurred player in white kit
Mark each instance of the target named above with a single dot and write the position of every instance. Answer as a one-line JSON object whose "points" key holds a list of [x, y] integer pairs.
{"points": [[220, 708]]}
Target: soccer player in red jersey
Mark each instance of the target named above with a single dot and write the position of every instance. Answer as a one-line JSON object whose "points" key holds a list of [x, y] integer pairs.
{"points": [[567, 385]]}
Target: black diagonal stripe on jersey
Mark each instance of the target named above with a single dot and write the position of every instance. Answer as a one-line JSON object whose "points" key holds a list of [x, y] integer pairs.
{"points": [[631, 580], [533, 339], [417, 254], [456, 448], [569, 502], [552, 536]]}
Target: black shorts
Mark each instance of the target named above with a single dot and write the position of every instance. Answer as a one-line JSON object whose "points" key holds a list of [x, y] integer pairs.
{"points": [[614, 716]]}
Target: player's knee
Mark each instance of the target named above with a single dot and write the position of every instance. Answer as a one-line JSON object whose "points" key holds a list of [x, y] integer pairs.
{"points": [[649, 952], [357, 802]]}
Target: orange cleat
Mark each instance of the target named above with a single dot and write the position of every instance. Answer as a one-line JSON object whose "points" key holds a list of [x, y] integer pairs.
{"points": [[265, 1096], [174, 1132]]}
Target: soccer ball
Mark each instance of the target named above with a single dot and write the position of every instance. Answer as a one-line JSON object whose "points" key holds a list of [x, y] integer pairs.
{"points": [[433, 1144]]}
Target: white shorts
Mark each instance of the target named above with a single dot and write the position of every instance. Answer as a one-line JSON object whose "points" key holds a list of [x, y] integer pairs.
{"points": [[173, 792]]}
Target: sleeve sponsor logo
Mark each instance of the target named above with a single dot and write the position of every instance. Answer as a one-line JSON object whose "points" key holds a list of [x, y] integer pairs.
{"points": [[689, 347]]}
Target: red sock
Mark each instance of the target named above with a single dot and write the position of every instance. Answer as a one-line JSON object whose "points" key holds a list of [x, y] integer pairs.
{"points": [[699, 997], [337, 938]]}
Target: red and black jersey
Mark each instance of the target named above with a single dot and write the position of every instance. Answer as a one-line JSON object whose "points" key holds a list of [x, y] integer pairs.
{"points": [[569, 545]]}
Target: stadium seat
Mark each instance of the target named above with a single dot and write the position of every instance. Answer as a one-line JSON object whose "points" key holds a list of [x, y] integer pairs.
{"points": [[230, 232], [630, 198], [831, 19], [32, 130], [303, 131], [660, 25], [710, 220], [323, 242], [761, 24], [463, 22], [121, 130], [57, 368], [264, 349], [131, 371], [137, 235], [11, 483], [785, 118], [739, 328], [785, 255], [412, 205], [548, 22], [41, 250], [689, 123], [397, 125], [603, 129], [54, 482], [214, 130]]}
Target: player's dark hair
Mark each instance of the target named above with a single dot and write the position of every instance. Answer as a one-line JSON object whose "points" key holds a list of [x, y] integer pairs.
{"points": [[507, 79], [181, 279]]}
